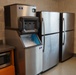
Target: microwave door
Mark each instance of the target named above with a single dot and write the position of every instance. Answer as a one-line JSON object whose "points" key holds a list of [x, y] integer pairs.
{"points": [[5, 59]]}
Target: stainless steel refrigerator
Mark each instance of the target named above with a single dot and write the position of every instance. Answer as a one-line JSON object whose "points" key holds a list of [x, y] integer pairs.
{"points": [[49, 35], [66, 36]]}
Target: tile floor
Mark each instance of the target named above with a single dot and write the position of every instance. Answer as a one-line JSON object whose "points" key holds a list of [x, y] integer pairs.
{"points": [[66, 68]]}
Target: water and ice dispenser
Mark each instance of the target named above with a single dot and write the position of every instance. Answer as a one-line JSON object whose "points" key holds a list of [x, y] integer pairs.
{"points": [[28, 27], [21, 32], [33, 53], [30, 40], [28, 24]]}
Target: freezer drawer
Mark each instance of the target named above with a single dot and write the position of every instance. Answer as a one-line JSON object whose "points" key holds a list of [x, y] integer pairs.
{"points": [[68, 45], [33, 60], [51, 51]]}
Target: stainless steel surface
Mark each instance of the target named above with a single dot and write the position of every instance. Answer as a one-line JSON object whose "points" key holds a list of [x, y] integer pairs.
{"points": [[4, 64], [68, 47], [25, 63], [68, 21], [33, 55], [28, 42], [26, 39], [51, 51], [26, 11], [14, 12], [50, 22], [28, 24], [33, 60], [63, 40]]}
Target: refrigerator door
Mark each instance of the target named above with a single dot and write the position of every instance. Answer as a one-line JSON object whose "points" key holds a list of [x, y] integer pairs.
{"points": [[68, 21], [68, 46], [51, 51], [50, 22]]}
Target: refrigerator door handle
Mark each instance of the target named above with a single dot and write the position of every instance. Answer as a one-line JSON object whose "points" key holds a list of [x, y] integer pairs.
{"points": [[44, 44], [64, 32], [44, 33]]}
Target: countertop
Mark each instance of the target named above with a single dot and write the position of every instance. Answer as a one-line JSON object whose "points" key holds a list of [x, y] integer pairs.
{"points": [[4, 48]]}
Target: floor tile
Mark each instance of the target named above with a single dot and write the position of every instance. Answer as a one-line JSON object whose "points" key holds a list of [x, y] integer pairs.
{"points": [[66, 68]]}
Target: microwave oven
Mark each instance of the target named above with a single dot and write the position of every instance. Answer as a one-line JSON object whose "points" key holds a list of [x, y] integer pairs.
{"points": [[28, 24], [5, 59]]}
